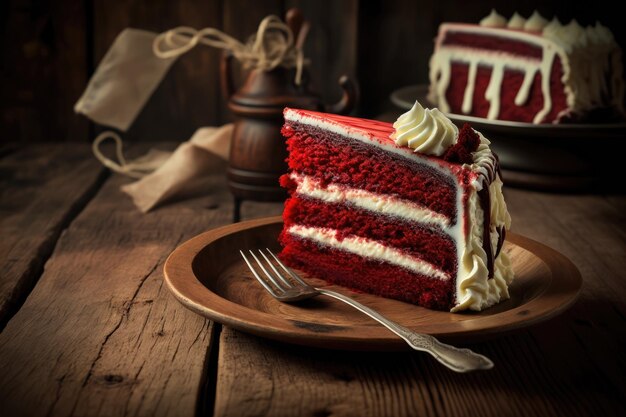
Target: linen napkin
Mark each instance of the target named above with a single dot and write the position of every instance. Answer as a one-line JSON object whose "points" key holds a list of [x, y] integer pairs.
{"points": [[164, 176]]}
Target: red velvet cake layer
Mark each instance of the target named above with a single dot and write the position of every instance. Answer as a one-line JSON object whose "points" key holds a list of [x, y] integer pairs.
{"points": [[428, 244], [338, 160], [342, 268], [511, 83], [493, 43]]}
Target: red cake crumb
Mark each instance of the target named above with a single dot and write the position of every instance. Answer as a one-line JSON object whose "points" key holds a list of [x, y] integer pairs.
{"points": [[361, 166], [345, 269], [493, 43], [467, 142], [429, 244]]}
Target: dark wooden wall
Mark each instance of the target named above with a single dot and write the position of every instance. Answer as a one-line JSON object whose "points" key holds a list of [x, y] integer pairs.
{"points": [[50, 48]]}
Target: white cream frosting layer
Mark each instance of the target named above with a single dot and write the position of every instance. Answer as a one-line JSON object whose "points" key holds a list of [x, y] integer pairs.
{"points": [[587, 56], [475, 291], [425, 131], [367, 248], [378, 203]]}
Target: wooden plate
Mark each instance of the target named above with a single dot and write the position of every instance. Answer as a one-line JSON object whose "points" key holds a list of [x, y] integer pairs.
{"points": [[207, 275]]}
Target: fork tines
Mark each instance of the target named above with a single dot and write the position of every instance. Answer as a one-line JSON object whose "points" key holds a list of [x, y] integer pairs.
{"points": [[280, 283]]}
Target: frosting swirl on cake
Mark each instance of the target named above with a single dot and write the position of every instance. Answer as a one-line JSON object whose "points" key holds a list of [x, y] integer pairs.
{"points": [[535, 22], [427, 131], [494, 20], [516, 22]]}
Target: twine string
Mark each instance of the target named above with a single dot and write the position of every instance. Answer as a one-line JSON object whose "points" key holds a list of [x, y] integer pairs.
{"points": [[121, 167], [272, 46]]}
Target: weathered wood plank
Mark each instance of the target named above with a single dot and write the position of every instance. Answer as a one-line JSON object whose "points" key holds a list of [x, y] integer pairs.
{"points": [[395, 43], [44, 70], [331, 44], [582, 227], [570, 365], [100, 334], [42, 188]]}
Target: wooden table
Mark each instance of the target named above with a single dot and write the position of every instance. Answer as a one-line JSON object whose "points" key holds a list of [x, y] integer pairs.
{"points": [[88, 327]]}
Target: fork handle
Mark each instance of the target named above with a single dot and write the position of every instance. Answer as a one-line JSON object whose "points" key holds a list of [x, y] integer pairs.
{"points": [[459, 360]]}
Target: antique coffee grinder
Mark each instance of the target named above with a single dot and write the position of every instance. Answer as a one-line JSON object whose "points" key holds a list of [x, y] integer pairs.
{"points": [[258, 151]]}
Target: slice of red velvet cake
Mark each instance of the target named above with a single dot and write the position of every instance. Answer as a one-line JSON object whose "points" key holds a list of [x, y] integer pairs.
{"points": [[412, 211], [527, 70]]}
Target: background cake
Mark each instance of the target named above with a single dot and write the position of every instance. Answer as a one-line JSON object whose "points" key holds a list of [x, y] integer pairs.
{"points": [[412, 211], [527, 70]]}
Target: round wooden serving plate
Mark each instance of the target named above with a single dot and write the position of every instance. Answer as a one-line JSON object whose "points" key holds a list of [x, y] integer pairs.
{"points": [[207, 275]]}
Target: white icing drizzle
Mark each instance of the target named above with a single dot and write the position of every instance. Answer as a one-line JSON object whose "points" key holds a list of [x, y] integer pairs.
{"points": [[499, 61], [522, 94], [585, 49], [469, 90], [548, 56], [492, 94]]}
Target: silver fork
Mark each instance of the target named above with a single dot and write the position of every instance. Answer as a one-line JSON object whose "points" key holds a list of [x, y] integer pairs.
{"points": [[295, 289]]}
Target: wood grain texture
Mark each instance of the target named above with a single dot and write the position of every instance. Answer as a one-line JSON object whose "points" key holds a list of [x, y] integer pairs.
{"points": [[330, 44], [44, 70], [42, 188], [280, 380], [99, 334], [402, 35]]}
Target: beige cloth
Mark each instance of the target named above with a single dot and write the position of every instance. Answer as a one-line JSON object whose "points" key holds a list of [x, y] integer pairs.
{"points": [[124, 80], [187, 165]]}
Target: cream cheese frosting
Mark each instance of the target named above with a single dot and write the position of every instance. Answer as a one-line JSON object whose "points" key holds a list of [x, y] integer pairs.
{"points": [[368, 248], [494, 20], [384, 204], [516, 22], [535, 23], [426, 131], [475, 290]]}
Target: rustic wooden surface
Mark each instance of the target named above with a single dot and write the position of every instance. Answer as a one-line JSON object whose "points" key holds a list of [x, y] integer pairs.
{"points": [[99, 334], [35, 184]]}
